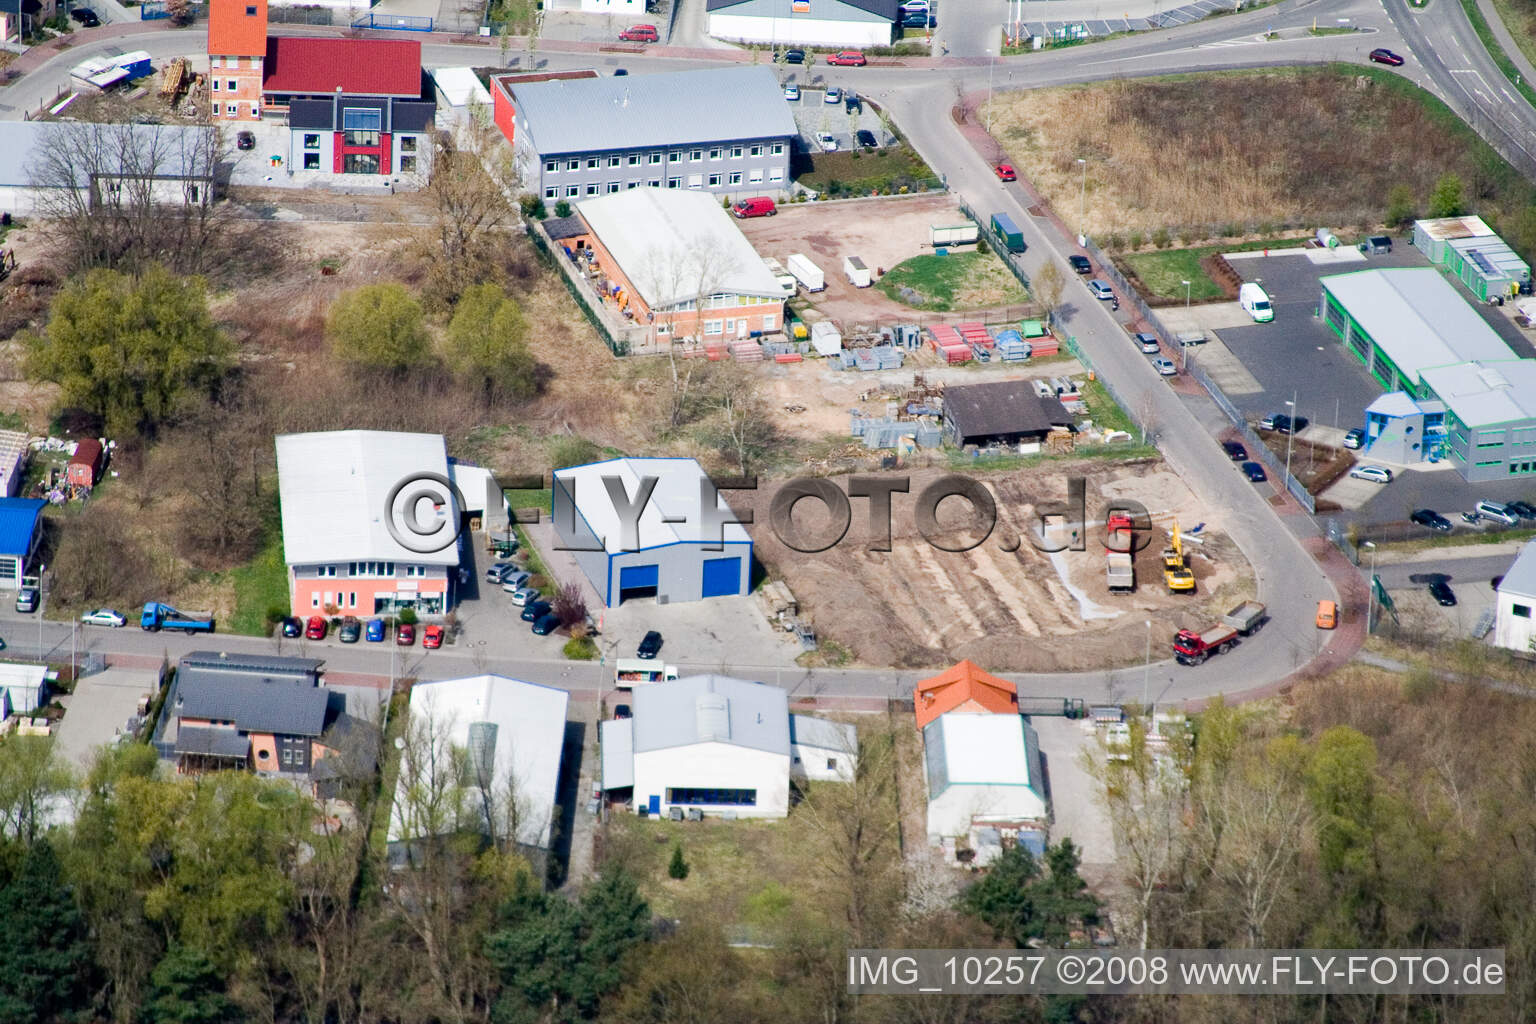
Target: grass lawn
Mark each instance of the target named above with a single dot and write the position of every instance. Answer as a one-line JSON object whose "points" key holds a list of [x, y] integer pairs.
{"points": [[1104, 411], [1164, 271], [260, 584], [893, 170], [539, 499], [1495, 51], [1519, 16], [966, 280]]}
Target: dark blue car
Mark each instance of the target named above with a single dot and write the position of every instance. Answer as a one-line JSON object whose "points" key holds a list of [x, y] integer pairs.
{"points": [[375, 632], [535, 610], [1255, 472]]}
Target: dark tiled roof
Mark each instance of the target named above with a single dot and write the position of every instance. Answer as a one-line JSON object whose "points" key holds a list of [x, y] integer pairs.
{"points": [[258, 693], [194, 739], [558, 228], [1002, 407]]}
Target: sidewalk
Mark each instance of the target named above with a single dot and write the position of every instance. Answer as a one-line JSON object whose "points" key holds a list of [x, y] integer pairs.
{"points": [[37, 56]]}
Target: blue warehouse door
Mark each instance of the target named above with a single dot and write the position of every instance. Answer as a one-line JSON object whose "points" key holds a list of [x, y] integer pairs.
{"points": [[638, 581], [722, 577]]}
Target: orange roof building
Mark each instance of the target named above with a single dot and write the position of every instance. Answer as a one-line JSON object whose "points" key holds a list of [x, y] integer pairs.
{"points": [[964, 687], [237, 28]]}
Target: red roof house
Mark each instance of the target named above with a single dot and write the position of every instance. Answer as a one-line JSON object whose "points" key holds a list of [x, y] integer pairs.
{"points": [[358, 67], [964, 687]]}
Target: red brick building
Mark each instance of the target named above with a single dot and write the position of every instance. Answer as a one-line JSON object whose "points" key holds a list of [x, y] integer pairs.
{"points": [[237, 49]]}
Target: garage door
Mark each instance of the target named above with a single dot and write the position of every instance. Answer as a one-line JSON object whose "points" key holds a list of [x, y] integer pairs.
{"points": [[722, 576], [638, 581]]}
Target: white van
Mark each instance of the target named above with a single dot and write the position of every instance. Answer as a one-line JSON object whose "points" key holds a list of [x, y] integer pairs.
{"points": [[1255, 303]]}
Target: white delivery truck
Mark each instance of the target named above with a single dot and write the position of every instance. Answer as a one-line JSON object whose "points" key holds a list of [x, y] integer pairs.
{"points": [[807, 273], [856, 272], [629, 673], [1256, 303]]}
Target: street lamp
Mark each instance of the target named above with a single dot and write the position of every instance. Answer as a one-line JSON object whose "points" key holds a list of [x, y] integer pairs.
{"points": [[1082, 207], [1146, 670], [1184, 349], [1289, 434], [1370, 608], [1186, 295]]}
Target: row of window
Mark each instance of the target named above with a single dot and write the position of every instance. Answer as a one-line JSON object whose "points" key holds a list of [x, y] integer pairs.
{"points": [[715, 797], [407, 143], [369, 570], [677, 156], [233, 109], [320, 600], [755, 176], [727, 327]]}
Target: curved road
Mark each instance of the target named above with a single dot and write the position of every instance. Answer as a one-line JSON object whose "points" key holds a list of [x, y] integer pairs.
{"points": [[919, 98]]}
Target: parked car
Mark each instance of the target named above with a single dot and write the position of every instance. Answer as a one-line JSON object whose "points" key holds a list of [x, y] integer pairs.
{"points": [[917, 19], [405, 634], [523, 595], [1375, 474], [1382, 55], [316, 627], [533, 611], [1080, 263], [1327, 615], [1148, 343], [833, 95], [827, 142], [1441, 591], [756, 206], [374, 634], [848, 59], [640, 34], [1164, 366], [619, 72], [104, 617], [1523, 509], [1267, 423], [432, 637], [650, 645], [293, 627], [866, 138], [546, 625], [1101, 290], [1235, 451], [620, 711], [351, 631], [1255, 472], [791, 91], [794, 56], [1428, 517], [1354, 439], [1283, 424], [85, 17], [498, 573], [515, 581], [27, 599], [1497, 511], [1005, 172]]}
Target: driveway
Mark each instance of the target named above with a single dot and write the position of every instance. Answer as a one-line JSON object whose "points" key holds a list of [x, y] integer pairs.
{"points": [[98, 712]]}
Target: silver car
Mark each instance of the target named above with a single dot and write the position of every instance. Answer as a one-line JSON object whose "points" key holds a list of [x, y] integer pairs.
{"points": [[1375, 474], [524, 596], [1101, 290], [1164, 366], [515, 581], [103, 617]]}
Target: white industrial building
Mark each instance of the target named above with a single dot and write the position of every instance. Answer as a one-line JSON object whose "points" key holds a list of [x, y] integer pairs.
{"points": [[1515, 597], [461, 95], [853, 23], [711, 743], [488, 749], [982, 768], [44, 164], [822, 751], [673, 553]]}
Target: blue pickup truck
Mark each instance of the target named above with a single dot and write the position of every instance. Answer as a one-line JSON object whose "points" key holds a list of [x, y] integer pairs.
{"points": [[159, 616]]}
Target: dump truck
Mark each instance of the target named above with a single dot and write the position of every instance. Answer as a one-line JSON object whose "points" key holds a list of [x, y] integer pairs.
{"points": [[1192, 648], [1121, 572], [1179, 577], [807, 273], [159, 616], [1007, 232]]}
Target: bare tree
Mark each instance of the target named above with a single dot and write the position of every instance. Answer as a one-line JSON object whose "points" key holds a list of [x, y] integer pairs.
{"points": [[743, 427], [132, 194], [1048, 286], [470, 188]]}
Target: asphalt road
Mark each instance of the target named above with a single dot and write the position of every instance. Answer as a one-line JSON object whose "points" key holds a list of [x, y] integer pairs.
{"points": [[1289, 580]]}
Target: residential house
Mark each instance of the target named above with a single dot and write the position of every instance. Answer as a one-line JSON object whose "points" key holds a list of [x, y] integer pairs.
{"points": [[341, 529], [480, 753], [1515, 596], [964, 686], [981, 769], [237, 51], [21, 531]]}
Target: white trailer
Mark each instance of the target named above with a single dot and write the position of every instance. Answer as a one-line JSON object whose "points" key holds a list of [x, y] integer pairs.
{"points": [[856, 272], [826, 339], [807, 273], [956, 234], [785, 279]]}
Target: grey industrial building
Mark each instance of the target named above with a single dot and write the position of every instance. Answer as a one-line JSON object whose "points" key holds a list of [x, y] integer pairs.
{"points": [[726, 131], [672, 553], [1002, 412]]}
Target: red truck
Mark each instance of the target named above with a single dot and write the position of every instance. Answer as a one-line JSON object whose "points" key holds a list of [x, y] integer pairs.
{"points": [[1191, 648]]}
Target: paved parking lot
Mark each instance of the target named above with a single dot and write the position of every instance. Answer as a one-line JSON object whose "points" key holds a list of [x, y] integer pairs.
{"points": [[813, 115], [1077, 813]]}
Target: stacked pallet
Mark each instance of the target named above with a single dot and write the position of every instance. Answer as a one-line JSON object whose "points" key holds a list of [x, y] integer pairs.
{"points": [[1011, 348], [1045, 345], [788, 357], [976, 334], [746, 351], [950, 346]]}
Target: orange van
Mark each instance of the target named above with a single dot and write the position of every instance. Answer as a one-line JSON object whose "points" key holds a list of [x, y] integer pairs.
{"points": [[1327, 615]]}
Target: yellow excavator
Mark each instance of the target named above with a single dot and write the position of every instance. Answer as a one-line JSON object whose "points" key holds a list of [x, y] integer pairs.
{"points": [[1178, 575]]}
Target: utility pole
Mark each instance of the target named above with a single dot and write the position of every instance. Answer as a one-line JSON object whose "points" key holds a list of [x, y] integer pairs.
{"points": [[1370, 608]]}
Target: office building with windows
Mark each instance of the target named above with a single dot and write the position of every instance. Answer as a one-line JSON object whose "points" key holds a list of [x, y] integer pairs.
{"points": [[726, 132]]}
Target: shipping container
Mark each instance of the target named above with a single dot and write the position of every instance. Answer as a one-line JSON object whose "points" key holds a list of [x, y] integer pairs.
{"points": [[856, 272], [957, 234], [807, 273], [1007, 232]]}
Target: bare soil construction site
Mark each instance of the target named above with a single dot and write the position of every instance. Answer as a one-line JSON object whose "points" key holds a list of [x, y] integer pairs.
{"points": [[918, 606]]}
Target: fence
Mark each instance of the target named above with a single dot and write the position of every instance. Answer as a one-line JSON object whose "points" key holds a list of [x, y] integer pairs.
{"points": [[619, 342], [307, 16], [395, 22]]}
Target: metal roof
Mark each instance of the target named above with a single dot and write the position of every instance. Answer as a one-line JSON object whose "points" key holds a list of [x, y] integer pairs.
{"points": [[979, 749], [18, 518], [676, 108], [460, 86], [333, 487], [1417, 318], [198, 739], [805, 731], [259, 694], [711, 708], [1520, 579], [1486, 394], [1493, 257], [1442, 228], [675, 497], [618, 740], [162, 150], [1395, 404], [513, 729], [673, 244], [827, 10]]}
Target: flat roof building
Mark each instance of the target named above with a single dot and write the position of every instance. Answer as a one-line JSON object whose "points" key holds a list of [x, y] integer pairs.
{"points": [[721, 131], [1001, 412], [1514, 599], [797, 23], [982, 768], [1490, 417], [1468, 248]]}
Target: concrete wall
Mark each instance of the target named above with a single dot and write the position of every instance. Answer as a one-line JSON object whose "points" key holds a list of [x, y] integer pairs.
{"points": [[715, 766]]}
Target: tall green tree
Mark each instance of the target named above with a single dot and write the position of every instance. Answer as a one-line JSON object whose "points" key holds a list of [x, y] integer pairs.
{"points": [[379, 327], [187, 989], [131, 350], [29, 776], [1021, 903], [1401, 205], [1448, 198], [487, 343], [45, 958]]}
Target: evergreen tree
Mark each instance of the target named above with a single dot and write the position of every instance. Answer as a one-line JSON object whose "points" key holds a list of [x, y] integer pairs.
{"points": [[45, 961], [677, 868], [185, 988]]}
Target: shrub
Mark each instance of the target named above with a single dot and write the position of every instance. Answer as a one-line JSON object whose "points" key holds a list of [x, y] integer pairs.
{"points": [[276, 613], [580, 648], [562, 209], [677, 868], [1161, 238], [408, 616], [1400, 205], [1135, 239]]}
